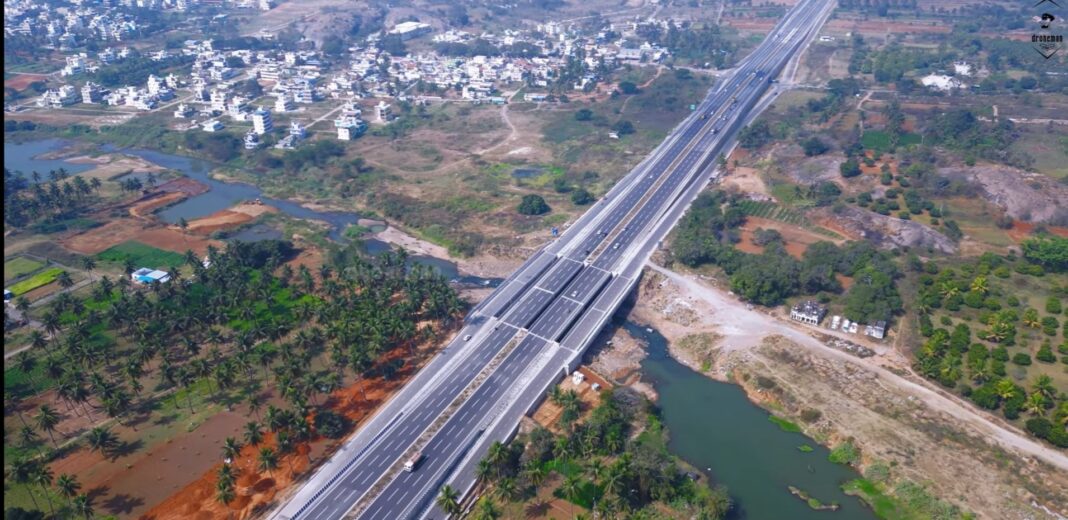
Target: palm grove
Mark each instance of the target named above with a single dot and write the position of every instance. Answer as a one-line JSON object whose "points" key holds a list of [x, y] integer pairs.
{"points": [[239, 324]]}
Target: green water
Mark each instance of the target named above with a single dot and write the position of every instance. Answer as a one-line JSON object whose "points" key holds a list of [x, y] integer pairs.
{"points": [[717, 429]]}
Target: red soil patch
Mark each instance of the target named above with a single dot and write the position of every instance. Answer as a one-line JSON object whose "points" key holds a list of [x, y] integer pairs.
{"points": [[128, 485], [256, 491], [1022, 231], [144, 208], [21, 81], [796, 239], [95, 240]]}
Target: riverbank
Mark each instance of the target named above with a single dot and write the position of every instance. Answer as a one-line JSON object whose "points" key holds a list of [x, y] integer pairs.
{"points": [[906, 432]]}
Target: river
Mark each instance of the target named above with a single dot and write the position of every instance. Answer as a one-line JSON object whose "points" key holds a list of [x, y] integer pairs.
{"points": [[715, 427]]}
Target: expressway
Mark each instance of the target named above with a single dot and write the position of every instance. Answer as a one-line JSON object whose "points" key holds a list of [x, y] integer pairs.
{"points": [[535, 327]]}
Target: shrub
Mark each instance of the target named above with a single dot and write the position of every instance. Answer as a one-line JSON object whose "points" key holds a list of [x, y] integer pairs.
{"points": [[581, 197], [584, 114], [533, 205], [845, 453], [1021, 359], [814, 146], [850, 168], [1045, 353], [811, 415], [765, 383]]}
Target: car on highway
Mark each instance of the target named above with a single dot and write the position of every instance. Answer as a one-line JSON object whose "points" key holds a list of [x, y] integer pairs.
{"points": [[467, 337]]}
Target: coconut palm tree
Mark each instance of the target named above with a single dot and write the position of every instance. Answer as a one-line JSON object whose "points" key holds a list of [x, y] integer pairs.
{"points": [[21, 471], [47, 419], [83, 505], [231, 449], [1044, 385], [486, 510], [571, 488], [1005, 389], [268, 460], [448, 500], [979, 285], [68, 486], [43, 477], [1036, 404], [89, 264], [253, 433], [101, 439]]}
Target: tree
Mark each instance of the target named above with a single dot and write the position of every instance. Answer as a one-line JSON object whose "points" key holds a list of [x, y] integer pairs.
{"points": [[448, 500], [268, 460], [231, 449], [814, 146], [849, 168], [68, 486], [628, 88], [46, 420], [571, 488], [533, 205], [83, 505], [486, 510], [581, 197], [623, 127], [253, 433], [43, 477], [583, 114], [1048, 251], [101, 439], [21, 471]]}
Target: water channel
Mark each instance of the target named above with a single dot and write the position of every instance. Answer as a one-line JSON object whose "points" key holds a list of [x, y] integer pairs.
{"points": [[220, 195], [714, 427]]}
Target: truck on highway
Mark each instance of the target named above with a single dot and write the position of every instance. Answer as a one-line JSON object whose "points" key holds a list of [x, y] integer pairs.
{"points": [[413, 463]]}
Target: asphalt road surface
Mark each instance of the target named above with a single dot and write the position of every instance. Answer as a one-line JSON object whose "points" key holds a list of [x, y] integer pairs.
{"points": [[516, 342]]}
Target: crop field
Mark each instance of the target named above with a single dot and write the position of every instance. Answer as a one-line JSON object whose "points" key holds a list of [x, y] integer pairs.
{"points": [[20, 266], [142, 255], [38, 280], [773, 211]]}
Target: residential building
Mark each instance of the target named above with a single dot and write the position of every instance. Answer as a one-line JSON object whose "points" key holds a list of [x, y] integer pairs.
{"points": [[384, 112], [808, 312], [349, 127], [261, 122]]}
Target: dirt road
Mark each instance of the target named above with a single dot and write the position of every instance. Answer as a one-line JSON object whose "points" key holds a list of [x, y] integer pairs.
{"points": [[741, 326]]}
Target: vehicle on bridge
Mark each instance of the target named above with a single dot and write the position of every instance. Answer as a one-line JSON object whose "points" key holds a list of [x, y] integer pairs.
{"points": [[412, 464]]}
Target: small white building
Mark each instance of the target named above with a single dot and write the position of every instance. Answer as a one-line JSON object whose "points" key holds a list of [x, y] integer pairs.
{"points": [[876, 330], [212, 125], [183, 111], [146, 276]]}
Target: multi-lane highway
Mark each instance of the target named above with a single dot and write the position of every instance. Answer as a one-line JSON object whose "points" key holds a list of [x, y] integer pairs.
{"points": [[522, 338]]}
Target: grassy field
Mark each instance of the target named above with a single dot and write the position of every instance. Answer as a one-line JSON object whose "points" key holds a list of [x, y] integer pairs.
{"points": [[38, 280], [880, 141], [20, 266], [142, 255]]}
